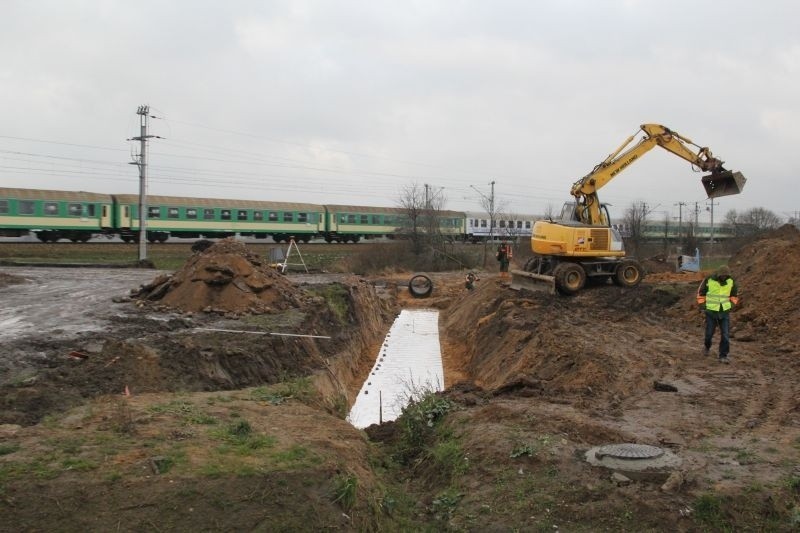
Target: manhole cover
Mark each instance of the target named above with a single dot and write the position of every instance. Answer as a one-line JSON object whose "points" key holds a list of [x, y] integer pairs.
{"points": [[629, 451]]}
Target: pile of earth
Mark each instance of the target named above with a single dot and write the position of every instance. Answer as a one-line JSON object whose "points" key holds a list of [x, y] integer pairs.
{"points": [[226, 277], [9, 279], [765, 271]]}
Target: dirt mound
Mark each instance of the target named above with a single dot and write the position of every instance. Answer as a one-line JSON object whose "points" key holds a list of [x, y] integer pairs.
{"points": [[765, 271], [658, 264], [226, 278], [9, 279]]}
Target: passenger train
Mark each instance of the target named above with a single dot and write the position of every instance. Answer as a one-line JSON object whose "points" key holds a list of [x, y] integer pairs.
{"points": [[77, 216]]}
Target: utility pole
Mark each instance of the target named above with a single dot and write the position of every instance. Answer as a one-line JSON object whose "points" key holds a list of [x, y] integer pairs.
{"points": [[711, 240], [491, 212], [680, 220], [144, 114], [488, 204]]}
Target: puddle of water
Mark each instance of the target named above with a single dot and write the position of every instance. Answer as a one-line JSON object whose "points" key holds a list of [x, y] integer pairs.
{"points": [[408, 364]]}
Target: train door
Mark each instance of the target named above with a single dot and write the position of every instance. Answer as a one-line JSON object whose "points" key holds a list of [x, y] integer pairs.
{"points": [[125, 215], [105, 216]]}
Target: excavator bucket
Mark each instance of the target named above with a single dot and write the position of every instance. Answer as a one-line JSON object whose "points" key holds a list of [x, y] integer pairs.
{"points": [[532, 282], [723, 183]]}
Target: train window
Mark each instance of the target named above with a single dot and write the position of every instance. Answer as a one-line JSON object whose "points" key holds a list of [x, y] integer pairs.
{"points": [[287, 216], [75, 210], [26, 207], [519, 224], [527, 224], [3, 207], [351, 219], [90, 210], [127, 211], [242, 214], [273, 216], [302, 217], [364, 219], [483, 222], [51, 208], [173, 212], [191, 212], [502, 223], [258, 215], [225, 214], [376, 219], [209, 214], [153, 212]]}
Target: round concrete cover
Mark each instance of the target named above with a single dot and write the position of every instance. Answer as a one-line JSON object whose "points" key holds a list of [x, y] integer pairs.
{"points": [[628, 457], [629, 451]]}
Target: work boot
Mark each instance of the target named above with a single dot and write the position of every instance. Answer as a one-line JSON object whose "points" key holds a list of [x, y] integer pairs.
{"points": [[705, 351], [724, 359]]}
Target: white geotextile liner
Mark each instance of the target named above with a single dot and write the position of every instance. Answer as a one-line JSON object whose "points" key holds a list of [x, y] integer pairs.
{"points": [[409, 363]]}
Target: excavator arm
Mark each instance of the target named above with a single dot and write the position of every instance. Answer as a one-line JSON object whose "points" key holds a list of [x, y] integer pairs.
{"points": [[719, 182]]}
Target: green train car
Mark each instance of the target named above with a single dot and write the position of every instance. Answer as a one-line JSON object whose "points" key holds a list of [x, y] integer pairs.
{"points": [[54, 215], [345, 223], [78, 215], [216, 218]]}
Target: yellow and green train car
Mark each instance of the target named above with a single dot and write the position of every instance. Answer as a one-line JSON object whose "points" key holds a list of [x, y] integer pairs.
{"points": [[77, 215], [212, 218], [54, 215], [352, 223]]}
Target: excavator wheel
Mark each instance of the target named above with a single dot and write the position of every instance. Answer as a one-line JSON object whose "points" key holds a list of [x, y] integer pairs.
{"points": [[628, 273], [570, 278], [532, 264]]}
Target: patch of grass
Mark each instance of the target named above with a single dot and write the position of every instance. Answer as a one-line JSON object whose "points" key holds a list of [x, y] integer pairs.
{"points": [[522, 449], [344, 491], [277, 322], [708, 512], [444, 504], [240, 439], [8, 448], [188, 412], [746, 457], [417, 423], [338, 405], [301, 389], [67, 445], [294, 456], [337, 298], [78, 464], [449, 458], [793, 484]]}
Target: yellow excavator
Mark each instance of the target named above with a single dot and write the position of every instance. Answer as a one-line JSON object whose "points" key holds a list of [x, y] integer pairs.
{"points": [[582, 244]]}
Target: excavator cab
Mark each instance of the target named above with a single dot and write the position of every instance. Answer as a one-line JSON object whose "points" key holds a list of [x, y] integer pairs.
{"points": [[723, 183]]}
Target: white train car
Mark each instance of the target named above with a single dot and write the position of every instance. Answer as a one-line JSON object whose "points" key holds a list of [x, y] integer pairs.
{"points": [[513, 227]]}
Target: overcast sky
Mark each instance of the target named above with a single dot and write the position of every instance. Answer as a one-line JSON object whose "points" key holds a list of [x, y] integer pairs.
{"points": [[347, 102]]}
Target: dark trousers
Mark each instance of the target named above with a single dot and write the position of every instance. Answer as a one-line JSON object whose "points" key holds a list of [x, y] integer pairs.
{"points": [[714, 318]]}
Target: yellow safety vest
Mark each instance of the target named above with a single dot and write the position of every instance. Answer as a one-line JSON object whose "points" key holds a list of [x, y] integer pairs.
{"points": [[718, 297]]}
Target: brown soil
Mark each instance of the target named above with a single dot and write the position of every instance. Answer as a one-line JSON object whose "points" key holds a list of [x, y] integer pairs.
{"points": [[535, 379], [9, 279]]}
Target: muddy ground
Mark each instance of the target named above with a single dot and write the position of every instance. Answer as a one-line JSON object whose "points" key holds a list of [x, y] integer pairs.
{"points": [[127, 412]]}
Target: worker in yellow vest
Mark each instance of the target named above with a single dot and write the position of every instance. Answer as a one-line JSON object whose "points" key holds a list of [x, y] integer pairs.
{"points": [[716, 296]]}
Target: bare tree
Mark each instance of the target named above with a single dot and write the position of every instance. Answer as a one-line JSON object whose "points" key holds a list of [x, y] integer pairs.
{"points": [[422, 216], [492, 207], [549, 212], [667, 225], [635, 219], [761, 219]]}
